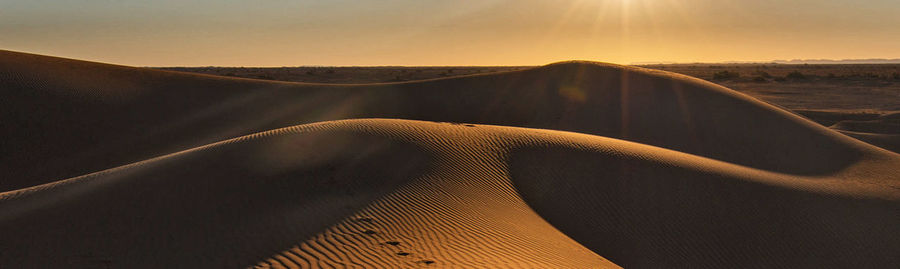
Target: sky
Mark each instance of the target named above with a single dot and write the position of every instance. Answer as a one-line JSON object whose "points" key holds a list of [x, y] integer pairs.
{"points": [[449, 32]]}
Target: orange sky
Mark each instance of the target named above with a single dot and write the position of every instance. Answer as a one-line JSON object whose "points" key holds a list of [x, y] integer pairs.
{"points": [[428, 32]]}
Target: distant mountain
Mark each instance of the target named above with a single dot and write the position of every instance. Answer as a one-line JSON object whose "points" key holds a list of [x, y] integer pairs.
{"points": [[794, 61], [688, 63], [654, 63], [844, 61]]}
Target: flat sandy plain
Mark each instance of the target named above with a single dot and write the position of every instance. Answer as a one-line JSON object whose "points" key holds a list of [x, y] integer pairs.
{"points": [[568, 165]]}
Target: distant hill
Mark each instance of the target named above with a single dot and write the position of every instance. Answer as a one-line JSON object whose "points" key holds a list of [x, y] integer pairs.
{"points": [[844, 61], [794, 61]]}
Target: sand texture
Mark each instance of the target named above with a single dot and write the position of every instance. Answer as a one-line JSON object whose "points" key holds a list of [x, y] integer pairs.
{"points": [[569, 165]]}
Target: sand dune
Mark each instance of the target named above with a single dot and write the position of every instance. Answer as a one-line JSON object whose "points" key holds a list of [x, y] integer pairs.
{"points": [[883, 132], [74, 117], [450, 195], [886, 141], [619, 166], [885, 124]]}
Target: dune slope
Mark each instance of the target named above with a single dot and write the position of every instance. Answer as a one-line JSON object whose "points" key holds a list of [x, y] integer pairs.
{"points": [[397, 193], [421, 185]]}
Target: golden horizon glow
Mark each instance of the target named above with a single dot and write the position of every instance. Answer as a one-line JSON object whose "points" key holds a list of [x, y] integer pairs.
{"points": [[430, 32]]}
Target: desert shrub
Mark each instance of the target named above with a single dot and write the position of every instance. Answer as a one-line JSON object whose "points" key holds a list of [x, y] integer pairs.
{"points": [[795, 75], [759, 79], [310, 72], [780, 79], [725, 74], [763, 74], [330, 71], [831, 76]]}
